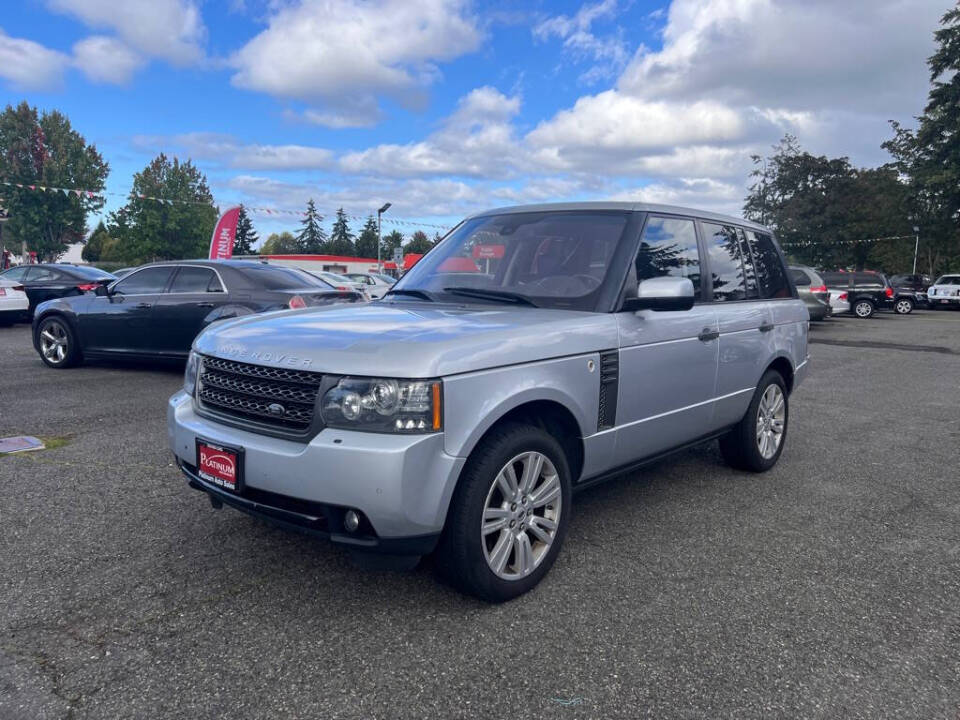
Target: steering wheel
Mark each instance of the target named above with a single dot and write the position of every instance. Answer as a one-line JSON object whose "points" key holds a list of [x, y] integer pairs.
{"points": [[568, 283]]}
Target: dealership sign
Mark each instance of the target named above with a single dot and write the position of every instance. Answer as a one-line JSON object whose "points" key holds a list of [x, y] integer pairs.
{"points": [[221, 243]]}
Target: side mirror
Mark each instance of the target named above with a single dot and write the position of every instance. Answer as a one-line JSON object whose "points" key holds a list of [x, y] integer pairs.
{"points": [[101, 291], [662, 293]]}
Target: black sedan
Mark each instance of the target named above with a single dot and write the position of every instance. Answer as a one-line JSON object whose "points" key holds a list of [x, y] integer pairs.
{"points": [[157, 310], [51, 280]]}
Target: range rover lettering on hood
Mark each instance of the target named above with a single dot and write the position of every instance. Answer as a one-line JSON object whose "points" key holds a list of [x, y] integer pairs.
{"points": [[263, 356]]}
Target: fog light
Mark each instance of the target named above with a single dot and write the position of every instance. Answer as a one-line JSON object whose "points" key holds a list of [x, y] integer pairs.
{"points": [[351, 521]]}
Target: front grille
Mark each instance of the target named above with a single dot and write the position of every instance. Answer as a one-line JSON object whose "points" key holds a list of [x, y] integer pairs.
{"points": [[282, 399]]}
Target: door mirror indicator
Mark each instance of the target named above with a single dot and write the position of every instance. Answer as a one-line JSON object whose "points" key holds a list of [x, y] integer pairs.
{"points": [[662, 293]]}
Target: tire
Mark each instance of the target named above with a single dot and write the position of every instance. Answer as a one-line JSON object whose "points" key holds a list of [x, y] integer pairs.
{"points": [[741, 447], [863, 309], [903, 306], [467, 557], [53, 333]]}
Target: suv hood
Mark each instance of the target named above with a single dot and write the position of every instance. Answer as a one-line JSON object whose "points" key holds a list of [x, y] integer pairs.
{"points": [[407, 339]]}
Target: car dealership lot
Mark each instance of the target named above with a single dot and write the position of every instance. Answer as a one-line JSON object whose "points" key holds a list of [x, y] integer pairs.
{"points": [[827, 587]]}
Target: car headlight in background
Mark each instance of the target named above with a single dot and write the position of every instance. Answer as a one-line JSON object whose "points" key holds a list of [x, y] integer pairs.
{"points": [[190, 374], [384, 405]]}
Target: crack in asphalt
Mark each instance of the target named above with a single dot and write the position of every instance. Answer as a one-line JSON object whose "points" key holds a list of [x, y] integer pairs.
{"points": [[885, 346]]}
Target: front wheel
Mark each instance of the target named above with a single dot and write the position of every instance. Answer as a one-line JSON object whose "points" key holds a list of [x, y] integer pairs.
{"points": [[509, 514], [903, 306], [863, 309], [755, 443], [58, 343]]}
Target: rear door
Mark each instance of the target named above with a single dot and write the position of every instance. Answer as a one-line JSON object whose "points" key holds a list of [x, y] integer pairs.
{"points": [[668, 360], [121, 322], [179, 313], [743, 318]]}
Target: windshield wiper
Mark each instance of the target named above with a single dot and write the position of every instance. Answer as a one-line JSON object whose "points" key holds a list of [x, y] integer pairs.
{"points": [[423, 294], [498, 295]]}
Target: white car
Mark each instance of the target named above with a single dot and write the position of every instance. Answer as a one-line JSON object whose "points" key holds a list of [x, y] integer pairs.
{"points": [[341, 282], [839, 301], [13, 302], [375, 284], [945, 292]]}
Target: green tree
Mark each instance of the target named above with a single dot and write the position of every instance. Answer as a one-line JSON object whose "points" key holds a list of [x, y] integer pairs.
{"points": [[341, 239], [366, 245], [312, 239], [930, 155], [246, 237], [419, 243], [155, 230], [93, 248], [390, 242], [280, 244], [827, 213], [46, 152]]}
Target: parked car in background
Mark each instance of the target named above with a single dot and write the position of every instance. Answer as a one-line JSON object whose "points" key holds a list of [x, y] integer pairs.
{"points": [[376, 285], [460, 412], [812, 291], [916, 284], [49, 280], [839, 302], [340, 282], [867, 291], [157, 310], [945, 292], [13, 302]]}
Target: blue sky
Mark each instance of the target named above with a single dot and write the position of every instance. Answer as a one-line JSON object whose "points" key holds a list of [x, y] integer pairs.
{"points": [[444, 107]]}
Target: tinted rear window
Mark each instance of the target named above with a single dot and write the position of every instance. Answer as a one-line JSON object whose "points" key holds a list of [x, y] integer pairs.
{"points": [[800, 278], [770, 270], [868, 279], [835, 279], [948, 280], [281, 278], [723, 247], [91, 273]]}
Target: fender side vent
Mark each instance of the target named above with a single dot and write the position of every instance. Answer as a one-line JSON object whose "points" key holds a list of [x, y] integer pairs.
{"points": [[609, 379]]}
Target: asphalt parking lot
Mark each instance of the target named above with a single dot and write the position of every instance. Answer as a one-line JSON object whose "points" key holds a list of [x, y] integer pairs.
{"points": [[829, 587]]}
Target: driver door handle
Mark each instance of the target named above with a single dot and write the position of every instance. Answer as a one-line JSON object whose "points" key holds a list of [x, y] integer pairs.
{"points": [[766, 327], [143, 306], [706, 335], [205, 304]]}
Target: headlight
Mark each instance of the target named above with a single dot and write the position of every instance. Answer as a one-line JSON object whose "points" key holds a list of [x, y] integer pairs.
{"points": [[384, 405], [190, 374]]}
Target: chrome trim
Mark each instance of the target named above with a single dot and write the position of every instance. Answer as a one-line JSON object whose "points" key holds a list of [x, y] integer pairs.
{"points": [[672, 412]]}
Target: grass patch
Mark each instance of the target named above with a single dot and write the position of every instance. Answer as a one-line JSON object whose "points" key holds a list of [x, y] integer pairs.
{"points": [[50, 442]]}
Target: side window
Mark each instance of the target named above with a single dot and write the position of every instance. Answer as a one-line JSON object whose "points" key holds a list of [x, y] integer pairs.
{"points": [[770, 271], [749, 271], [17, 273], [669, 248], [799, 277], [149, 281], [42, 274], [723, 246], [193, 280]]}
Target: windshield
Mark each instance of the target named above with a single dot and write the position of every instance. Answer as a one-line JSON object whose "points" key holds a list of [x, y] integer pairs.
{"points": [[948, 280], [553, 259]]}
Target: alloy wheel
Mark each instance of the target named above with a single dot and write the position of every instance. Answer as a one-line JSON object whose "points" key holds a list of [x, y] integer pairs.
{"points": [[904, 306], [771, 421], [864, 309], [53, 342], [521, 515]]}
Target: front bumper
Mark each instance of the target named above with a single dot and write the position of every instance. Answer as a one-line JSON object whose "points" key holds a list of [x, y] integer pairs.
{"points": [[401, 484], [944, 300]]}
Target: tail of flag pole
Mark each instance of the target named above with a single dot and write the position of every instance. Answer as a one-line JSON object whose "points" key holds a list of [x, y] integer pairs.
{"points": [[399, 222]]}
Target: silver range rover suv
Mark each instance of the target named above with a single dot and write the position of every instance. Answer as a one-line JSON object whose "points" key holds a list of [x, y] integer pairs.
{"points": [[534, 351]]}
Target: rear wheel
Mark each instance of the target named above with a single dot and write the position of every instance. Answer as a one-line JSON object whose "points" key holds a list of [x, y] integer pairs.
{"points": [[58, 343], [863, 309], [509, 514], [756, 442], [903, 306]]}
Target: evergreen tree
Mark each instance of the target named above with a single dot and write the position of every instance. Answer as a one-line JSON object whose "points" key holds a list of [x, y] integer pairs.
{"points": [[246, 237], [930, 155], [367, 242], [419, 243], [341, 239], [312, 239], [94, 247], [390, 243]]}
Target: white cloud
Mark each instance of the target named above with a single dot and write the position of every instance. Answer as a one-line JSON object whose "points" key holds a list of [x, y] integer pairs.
{"points": [[27, 65], [609, 51], [343, 54], [227, 151], [171, 30], [702, 193], [476, 140], [106, 60]]}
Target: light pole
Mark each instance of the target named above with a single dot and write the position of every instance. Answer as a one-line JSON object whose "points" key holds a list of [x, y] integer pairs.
{"points": [[916, 247], [381, 211]]}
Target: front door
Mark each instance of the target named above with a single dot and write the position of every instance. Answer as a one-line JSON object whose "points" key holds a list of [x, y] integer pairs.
{"points": [[180, 313], [121, 322], [668, 360]]}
